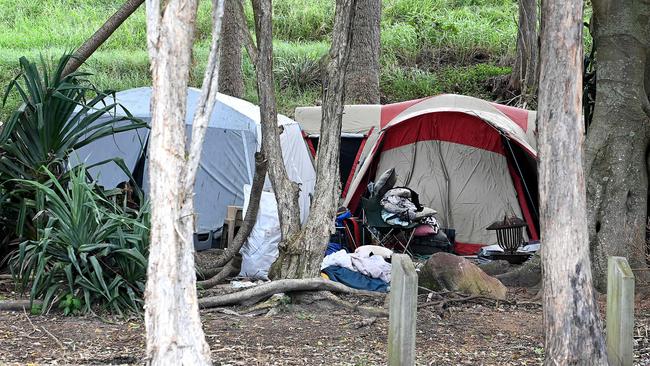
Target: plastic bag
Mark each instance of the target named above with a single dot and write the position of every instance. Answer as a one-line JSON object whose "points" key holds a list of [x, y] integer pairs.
{"points": [[261, 249]]}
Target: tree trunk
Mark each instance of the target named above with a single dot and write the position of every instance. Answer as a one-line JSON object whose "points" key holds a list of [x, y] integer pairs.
{"points": [[302, 255], [525, 71], [286, 191], [101, 35], [174, 332], [231, 78], [617, 142], [571, 321], [362, 81]]}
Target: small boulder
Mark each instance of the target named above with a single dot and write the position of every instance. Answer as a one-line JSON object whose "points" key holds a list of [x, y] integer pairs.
{"points": [[445, 271]]}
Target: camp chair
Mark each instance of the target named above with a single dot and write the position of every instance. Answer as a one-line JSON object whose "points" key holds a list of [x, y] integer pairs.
{"points": [[395, 237]]}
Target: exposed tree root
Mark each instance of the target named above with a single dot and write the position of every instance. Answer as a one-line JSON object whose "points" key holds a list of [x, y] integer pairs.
{"points": [[367, 311], [255, 294], [229, 269], [18, 305]]}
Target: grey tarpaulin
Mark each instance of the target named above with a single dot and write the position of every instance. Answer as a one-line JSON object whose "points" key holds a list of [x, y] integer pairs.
{"points": [[227, 160]]}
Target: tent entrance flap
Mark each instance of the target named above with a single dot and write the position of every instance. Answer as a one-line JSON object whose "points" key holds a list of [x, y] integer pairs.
{"points": [[459, 164]]}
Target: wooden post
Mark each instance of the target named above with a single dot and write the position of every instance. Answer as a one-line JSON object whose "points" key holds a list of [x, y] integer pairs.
{"points": [[402, 312], [620, 312]]}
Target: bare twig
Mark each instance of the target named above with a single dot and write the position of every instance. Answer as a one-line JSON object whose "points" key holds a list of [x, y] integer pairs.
{"points": [[53, 337], [30, 323]]}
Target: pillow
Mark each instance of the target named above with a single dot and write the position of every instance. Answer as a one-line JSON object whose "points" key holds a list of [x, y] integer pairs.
{"points": [[385, 182]]}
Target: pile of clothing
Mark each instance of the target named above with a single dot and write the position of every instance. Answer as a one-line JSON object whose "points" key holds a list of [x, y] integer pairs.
{"points": [[365, 269], [401, 206]]}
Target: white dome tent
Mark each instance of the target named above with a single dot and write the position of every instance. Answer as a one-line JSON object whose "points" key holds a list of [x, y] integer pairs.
{"points": [[227, 159]]}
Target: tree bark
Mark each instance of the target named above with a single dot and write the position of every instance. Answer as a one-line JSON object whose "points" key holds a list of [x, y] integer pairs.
{"points": [[362, 81], [174, 332], [617, 142], [286, 191], [571, 321], [231, 78], [101, 35], [525, 72], [302, 254]]}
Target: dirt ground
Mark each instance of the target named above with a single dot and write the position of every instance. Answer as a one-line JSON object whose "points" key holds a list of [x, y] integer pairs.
{"points": [[469, 334]]}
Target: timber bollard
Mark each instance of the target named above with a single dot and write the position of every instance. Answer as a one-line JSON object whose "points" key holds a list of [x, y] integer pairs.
{"points": [[620, 312], [402, 312]]}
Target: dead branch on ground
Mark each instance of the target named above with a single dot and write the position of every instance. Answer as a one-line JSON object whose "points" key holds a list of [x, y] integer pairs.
{"points": [[18, 305]]}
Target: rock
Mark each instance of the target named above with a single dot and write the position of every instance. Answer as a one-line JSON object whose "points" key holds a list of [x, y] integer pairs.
{"points": [[494, 268], [444, 271], [528, 274]]}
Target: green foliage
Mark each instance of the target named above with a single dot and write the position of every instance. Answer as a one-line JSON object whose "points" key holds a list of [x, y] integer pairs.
{"points": [[90, 249], [70, 305], [36, 309], [49, 124], [404, 84], [57, 114], [300, 73], [413, 32]]}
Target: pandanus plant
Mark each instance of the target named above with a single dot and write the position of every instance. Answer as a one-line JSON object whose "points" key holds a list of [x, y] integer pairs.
{"points": [[59, 113]]}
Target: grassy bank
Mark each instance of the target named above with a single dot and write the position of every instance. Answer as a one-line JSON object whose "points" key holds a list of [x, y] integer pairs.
{"points": [[428, 46]]}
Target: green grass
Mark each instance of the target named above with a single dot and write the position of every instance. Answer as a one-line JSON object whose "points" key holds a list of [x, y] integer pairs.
{"points": [[428, 46]]}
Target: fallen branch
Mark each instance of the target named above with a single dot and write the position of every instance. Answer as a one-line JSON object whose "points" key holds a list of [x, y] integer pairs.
{"points": [[18, 305], [255, 294], [442, 303]]}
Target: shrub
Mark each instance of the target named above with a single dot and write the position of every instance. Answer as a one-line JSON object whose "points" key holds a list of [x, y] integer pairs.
{"points": [[58, 113], [299, 72], [90, 249]]}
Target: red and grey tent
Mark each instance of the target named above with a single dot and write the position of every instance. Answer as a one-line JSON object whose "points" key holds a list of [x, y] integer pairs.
{"points": [[471, 160]]}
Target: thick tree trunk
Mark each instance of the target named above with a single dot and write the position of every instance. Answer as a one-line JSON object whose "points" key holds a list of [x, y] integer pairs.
{"points": [[286, 191], [525, 71], [101, 35], [231, 78], [362, 81], [302, 255], [174, 331], [571, 322], [617, 143]]}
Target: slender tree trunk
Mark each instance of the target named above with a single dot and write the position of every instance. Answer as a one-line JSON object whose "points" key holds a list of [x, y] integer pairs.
{"points": [[286, 191], [525, 72], [571, 321], [617, 142], [101, 35], [174, 332], [231, 78], [302, 255], [362, 81]]}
